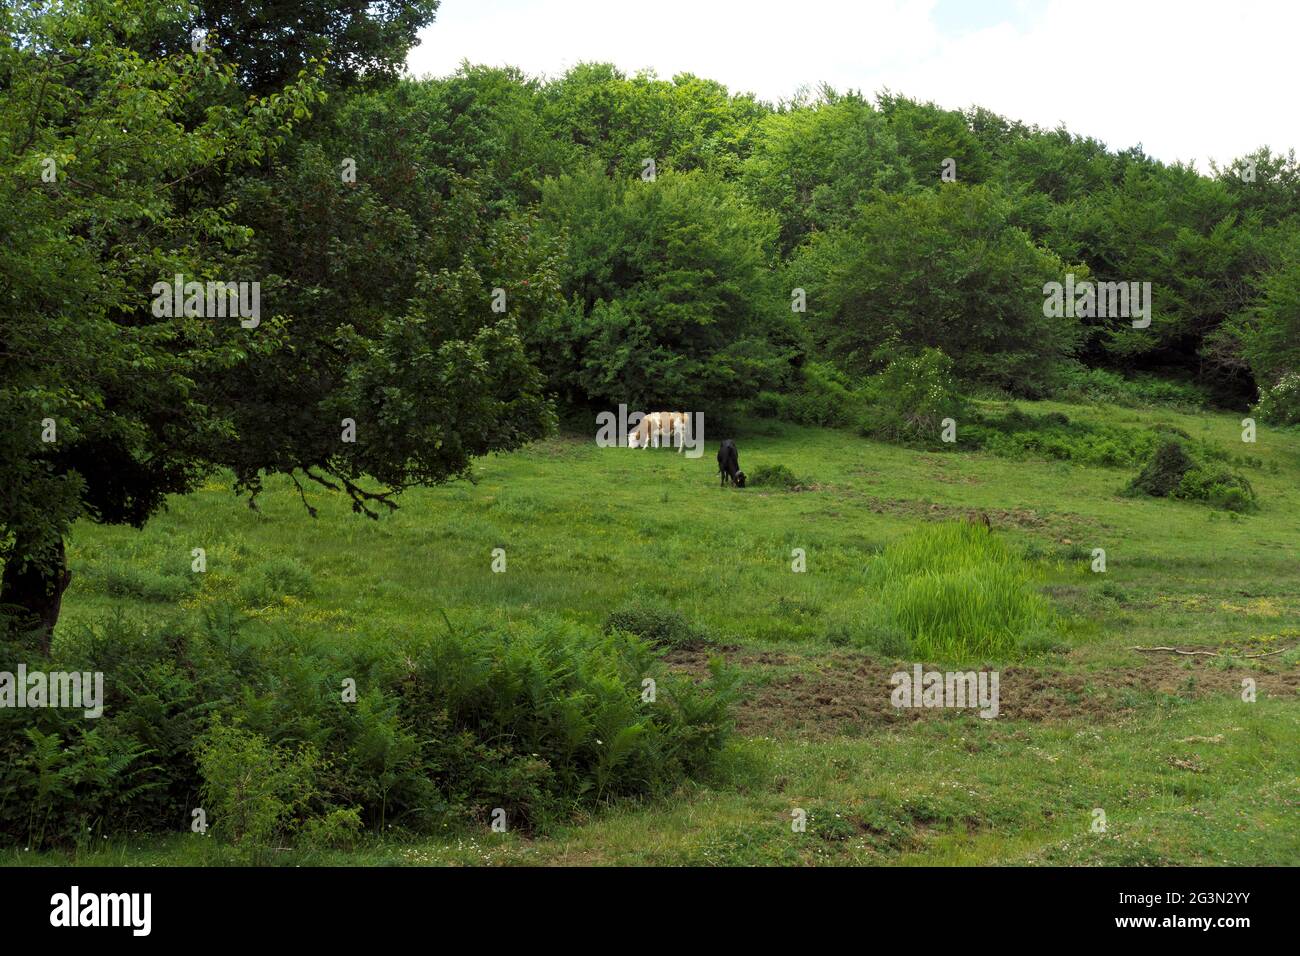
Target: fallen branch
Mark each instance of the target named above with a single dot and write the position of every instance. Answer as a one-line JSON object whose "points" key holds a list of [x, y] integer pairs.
{"points": [[1174, 650]]}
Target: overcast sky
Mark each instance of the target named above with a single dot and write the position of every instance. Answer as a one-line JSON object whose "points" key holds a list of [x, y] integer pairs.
{"points": [[1188, 79]]}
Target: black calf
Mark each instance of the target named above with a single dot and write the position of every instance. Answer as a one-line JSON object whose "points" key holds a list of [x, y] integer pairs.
{"points": [[729, 465]]}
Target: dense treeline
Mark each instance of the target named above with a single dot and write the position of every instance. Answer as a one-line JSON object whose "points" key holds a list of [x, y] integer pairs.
{"points": [[907, 226]]}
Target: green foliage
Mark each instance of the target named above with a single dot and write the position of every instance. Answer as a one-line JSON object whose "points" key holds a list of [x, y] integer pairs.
{"points": [[946, 270], [1020, 435], [363, 42], [597, 114], [820, 397], [815, 164], [274, 579], [957, 592], [401, 338], [540, 720], [84, 246], [775, 476], [125, 578], [253, 791], [1100, 386], [910, 399], [671, 302], [1173, 473], [1217, 487], [375, 293], [661, 626]]}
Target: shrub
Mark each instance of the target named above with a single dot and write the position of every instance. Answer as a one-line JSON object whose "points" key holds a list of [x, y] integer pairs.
{"points": [[1279, 403], [253, 791], [1018, 434], [957, 592], [661, 626], [775, 476], [821, 398], [911, 398], [274, 579], [1163, 473], [1218, 488], [167, 585], [1100, 386], [542, 721], [1173, 473]]}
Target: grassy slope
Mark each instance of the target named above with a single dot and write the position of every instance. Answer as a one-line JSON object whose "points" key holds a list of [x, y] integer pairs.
{"points": [[587, 529]]}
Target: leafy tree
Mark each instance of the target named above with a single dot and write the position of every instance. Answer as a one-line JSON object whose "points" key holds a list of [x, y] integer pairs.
{"points": [[813, 164], [1269, 337], [928, 135], [943, 269], [671, 299], [392, 328], [1264, 182], [364, 41], [599, 114], [108, 404], [99, 414]]}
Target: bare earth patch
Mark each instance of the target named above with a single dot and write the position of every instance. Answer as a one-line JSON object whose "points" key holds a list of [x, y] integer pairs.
{"points": [[848, 694]]}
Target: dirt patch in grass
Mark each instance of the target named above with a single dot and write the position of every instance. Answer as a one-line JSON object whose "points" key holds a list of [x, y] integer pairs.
{"points": [[847, 694], [1067, 524], [695, 660]]}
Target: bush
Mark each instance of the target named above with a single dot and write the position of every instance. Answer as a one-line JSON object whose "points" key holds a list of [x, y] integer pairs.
{"points": [[957, 592], [1173, 473], [911, 398], [661, 626], [166, 585], [274, 579], [1163, 473], [821, 398], [775, 476], [1018, 434], [1099, 386], [1279, 404], [253, 791], [542, 721], [1218, 488]]}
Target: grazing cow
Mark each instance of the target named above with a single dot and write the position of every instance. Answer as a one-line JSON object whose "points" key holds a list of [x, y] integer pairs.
{"points": [[659, 429], [981, 520], [729, 464]]}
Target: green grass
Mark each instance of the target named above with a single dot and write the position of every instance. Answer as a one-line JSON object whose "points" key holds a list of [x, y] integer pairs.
{"points": [[957, 592], [587, 531]]}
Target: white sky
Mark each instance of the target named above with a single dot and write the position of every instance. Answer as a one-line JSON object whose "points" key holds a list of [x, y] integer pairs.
{"points": [[1188, 79]]}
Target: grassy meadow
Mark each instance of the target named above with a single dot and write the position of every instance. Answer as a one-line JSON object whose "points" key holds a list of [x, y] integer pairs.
{"points": [[1185, 770]]}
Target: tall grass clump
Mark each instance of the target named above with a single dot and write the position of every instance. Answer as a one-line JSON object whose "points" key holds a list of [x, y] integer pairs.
{"points": [[958, 592]]}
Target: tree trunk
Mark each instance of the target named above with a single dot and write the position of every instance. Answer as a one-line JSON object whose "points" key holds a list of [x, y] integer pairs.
{"points": [[35, 591]]}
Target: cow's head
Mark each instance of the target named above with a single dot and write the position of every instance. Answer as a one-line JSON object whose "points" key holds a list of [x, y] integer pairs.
{"points": [[740, 479]]}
